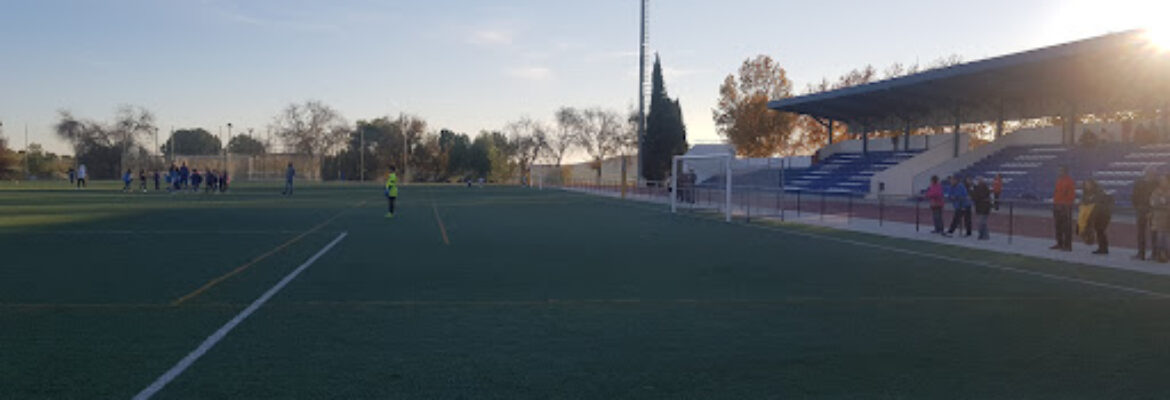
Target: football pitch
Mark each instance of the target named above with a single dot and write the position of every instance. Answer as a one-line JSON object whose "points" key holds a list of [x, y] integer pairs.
{"points": [[507, 292]]}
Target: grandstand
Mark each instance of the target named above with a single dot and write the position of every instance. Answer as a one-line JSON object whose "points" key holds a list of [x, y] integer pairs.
{"points": [[846, 173], [1065, 83]]}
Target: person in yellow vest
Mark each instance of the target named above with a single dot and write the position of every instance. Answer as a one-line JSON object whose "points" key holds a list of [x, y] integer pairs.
{"points": [[391, 190]]}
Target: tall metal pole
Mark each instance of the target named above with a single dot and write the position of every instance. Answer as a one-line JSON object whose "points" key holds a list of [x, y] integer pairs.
{"points": [[362, 155], [227, 156], [405, 144], [643, 44], [27, 167]]}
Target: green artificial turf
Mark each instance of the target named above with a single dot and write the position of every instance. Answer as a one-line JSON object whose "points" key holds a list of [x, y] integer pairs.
{"points": [[538, 294]]}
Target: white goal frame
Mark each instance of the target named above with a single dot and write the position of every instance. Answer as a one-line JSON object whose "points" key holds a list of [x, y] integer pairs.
{"points": [[727, 159]]}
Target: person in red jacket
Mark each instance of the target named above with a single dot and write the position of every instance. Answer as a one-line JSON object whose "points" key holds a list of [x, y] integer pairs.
{"points": [[1062, 206], [935, 195]]}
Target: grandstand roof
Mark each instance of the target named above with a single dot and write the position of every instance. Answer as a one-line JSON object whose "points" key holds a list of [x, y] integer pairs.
{"points": [[1114, 72]]}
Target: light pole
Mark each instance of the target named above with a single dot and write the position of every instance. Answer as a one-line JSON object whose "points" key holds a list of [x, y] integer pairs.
{"points": [[27, 167], [405, 144], [227, 155], [362, 155]]}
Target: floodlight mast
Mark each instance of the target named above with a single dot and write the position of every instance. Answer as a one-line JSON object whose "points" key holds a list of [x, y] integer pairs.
{"points": [[644, 40]]}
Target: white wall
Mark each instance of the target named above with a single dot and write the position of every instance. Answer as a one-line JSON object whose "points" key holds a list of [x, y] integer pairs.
{"points": [[899, 179]]}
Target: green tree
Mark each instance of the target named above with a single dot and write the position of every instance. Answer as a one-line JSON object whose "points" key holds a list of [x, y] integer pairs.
{"points": [[192, 142], [43, 164], [244, 144], [8, 167], [666, 135]]}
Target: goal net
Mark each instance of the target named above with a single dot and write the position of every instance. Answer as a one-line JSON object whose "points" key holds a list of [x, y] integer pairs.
{"points": [[702, 183]]}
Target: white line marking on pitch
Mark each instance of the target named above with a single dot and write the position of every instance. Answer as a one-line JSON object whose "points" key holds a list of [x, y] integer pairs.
{"points": [[211, 341]]}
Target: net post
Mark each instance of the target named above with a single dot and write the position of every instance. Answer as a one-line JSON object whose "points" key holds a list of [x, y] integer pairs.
{"points": [[1011, 221], [674, 192], [727, 193]]}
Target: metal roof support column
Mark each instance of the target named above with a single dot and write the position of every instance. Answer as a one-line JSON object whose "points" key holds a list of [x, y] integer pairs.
{"points": [[906, 136], [1165, 118], [958, 121], [1073, 116], [830, 135], [865, 139], [999, 122]]}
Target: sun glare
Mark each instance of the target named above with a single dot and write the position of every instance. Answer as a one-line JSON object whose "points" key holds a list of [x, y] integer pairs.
{"points": [[1159, 37]]}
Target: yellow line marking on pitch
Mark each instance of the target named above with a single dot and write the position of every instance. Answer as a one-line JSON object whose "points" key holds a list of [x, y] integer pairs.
{"points": [[212, 283]]}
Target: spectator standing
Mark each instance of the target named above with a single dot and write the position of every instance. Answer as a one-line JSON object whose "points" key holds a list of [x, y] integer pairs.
{"points": [[1102, 214], [142, 179], [1160, 218], [1062, 205], [981, 196], [961, 201], [72, 176], [934, 194], [1142, 190]]}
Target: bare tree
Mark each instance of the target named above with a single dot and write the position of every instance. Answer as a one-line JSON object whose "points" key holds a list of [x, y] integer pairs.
{"points": [[531, 141], [602, 136], [569, 124], [312, 127]]}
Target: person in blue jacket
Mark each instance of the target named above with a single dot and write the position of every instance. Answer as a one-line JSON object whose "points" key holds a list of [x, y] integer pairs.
{"points": [[960, 199]]}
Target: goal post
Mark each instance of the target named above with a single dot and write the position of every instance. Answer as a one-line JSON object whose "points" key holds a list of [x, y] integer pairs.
{"points": [[709, 171]]}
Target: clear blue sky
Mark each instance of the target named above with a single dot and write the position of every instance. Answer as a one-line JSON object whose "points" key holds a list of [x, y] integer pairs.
{"points": [[471, 65]]}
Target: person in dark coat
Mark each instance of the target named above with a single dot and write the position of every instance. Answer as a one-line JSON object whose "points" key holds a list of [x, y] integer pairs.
{"points": [[981, 196], [961, 201], [1142, 189], [1102, 213]]}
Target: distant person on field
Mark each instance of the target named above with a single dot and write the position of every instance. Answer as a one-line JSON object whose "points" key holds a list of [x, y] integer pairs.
{"points": [[126, 179], [72, 176], [981, 196], [196, 180], [184, 175], [1143, 189], [391, 191], [82, 175], [1064, 196], [212, 181], [937, 199], [142, 179], [156, 178], [961, 201], [1160, 219], [997, 189], [289, 174], [223, 181], [1102, 213]]}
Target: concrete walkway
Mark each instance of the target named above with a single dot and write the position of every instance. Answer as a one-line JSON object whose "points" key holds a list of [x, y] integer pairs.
{"points": [[1119, 257]]}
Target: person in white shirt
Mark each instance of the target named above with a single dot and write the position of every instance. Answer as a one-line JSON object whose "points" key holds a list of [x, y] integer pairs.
{"points": [[82, 174]]}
